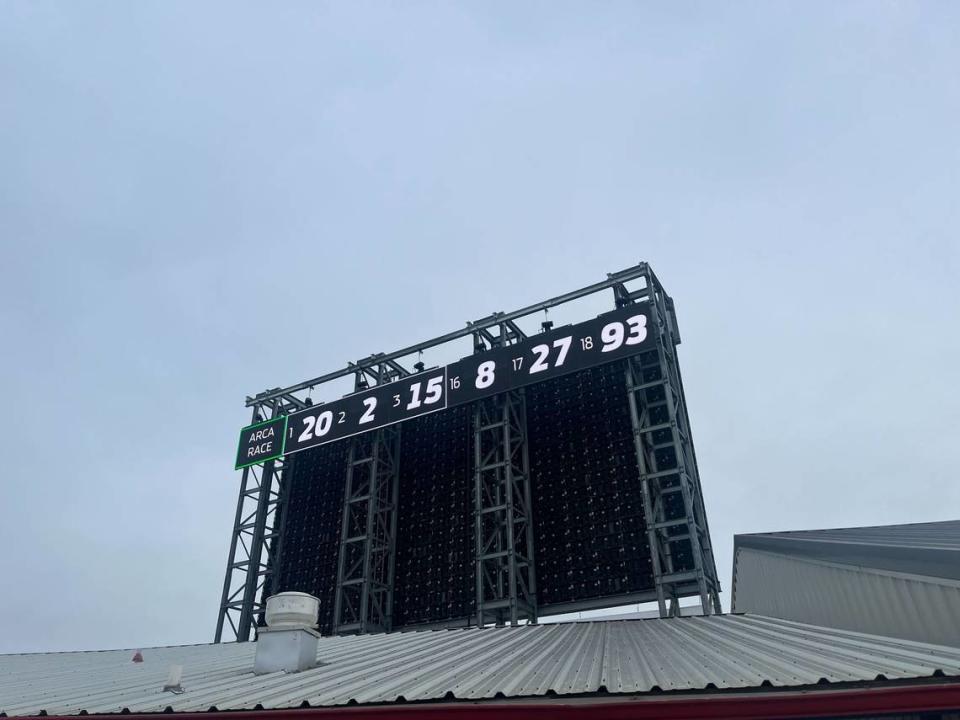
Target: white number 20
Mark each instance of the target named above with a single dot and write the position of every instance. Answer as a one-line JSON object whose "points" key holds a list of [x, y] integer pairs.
{"points": [[316, 426]]}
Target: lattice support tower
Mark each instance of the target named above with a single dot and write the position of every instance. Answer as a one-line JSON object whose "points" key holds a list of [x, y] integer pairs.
{"points": [[503, 522], [669, 477], [365, 568], [255, 543]]}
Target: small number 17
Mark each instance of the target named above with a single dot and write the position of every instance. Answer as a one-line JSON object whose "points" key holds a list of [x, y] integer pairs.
{"points": [[517, 363]]}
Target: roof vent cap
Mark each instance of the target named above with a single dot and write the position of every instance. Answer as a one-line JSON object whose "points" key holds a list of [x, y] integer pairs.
{"points": [[292, 610], [289, 642]]}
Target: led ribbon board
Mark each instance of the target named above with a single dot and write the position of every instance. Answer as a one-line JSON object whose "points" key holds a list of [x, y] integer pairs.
{"points": [[608, 337]]}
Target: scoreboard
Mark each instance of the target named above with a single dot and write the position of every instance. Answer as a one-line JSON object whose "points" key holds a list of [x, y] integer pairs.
{"points": [[551, 473], [604, 339]]}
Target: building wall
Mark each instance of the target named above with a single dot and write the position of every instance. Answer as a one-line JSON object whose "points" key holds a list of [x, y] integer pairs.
{"points": [[848, 597]]}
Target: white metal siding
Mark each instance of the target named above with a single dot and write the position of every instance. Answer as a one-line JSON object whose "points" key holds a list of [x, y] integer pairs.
{"points": [[849, 597]]}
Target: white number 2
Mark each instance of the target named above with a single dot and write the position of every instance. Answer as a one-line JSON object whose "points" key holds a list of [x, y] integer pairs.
{"points": [[371, 404]]}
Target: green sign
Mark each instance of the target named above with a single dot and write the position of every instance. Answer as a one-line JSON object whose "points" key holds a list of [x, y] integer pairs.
{"points": [[261, 442]]}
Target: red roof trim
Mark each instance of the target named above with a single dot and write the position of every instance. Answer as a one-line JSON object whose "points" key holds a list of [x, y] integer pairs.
{"points": [[743, 706]]}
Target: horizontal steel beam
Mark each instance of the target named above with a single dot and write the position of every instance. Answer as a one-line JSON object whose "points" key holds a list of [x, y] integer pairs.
{"points": [[613, 279], [608, 601]]}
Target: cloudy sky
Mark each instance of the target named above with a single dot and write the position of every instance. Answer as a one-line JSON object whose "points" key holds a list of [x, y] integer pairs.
{"points": [[202, 200]]}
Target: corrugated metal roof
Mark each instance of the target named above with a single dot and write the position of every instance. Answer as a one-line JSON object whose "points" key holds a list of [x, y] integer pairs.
{"points": [[730, 651], [931, 549], [943, 535]]}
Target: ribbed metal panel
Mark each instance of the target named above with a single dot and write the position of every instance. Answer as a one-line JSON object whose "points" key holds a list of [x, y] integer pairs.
{"points": [[943, 535], [622, 657], [853, 598], [931, 549]]}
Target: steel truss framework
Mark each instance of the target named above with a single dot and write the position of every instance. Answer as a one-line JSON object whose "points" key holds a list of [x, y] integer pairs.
{"points": [[506, 586], [668, 465], [256, 539], [506, 581], [365, 569]]}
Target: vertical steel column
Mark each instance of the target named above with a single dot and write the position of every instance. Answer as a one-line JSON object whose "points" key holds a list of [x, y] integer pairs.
{"points": [[661, 561], [253, 579], [365, 568], [227, 598], [670, 483], [690, 460], [251, 565], [503, 521], [274, 533]]}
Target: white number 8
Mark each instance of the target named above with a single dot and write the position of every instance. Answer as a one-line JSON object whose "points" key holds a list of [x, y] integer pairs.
{"points": [[485, 374]]}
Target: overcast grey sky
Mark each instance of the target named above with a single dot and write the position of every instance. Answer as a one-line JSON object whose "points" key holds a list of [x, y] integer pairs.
{"points": [[202, 200]]}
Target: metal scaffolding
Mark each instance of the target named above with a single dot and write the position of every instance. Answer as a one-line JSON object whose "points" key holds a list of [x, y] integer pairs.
{"points": [[506, 585], [365, 569], [256, 541], [506, 579], [676, 522]]}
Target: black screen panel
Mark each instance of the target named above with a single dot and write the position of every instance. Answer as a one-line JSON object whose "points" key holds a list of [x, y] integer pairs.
{"points": [[435, 534], [311, 526], [590, 538], [589, 530]]}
